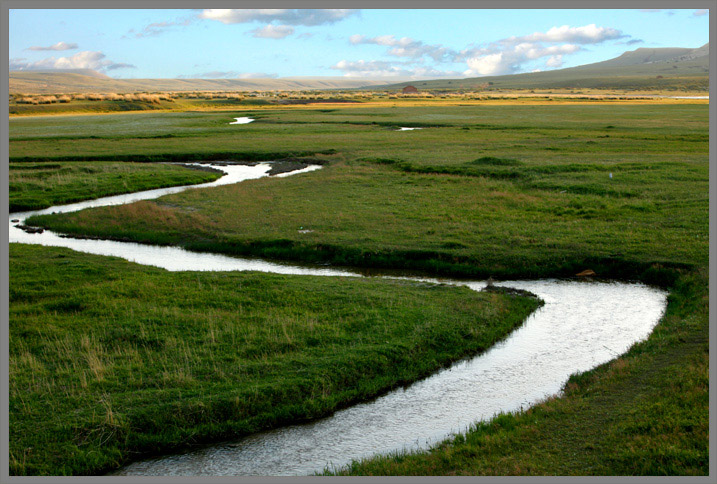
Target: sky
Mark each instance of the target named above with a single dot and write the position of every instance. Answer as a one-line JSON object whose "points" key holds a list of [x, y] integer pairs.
{"points": [[365, 43]]}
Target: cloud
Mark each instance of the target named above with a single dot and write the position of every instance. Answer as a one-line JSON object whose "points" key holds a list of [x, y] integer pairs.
{"points": [[505, 56], [632, 42], [509, 55], [701, 12], [406, 47], [82, 60], [120, 65], [378, 69], [284, 16], [495, 62], [273, 31], [554, 61], [57, 46], [587, 34], [158, 28]]}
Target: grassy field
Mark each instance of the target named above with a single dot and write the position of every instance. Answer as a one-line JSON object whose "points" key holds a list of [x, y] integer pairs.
{"points": [[536, 179], [110, 360], [504, 190], [33, 186]]}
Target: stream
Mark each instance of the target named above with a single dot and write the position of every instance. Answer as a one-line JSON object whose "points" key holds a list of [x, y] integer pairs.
{"points": [[582, 324]]}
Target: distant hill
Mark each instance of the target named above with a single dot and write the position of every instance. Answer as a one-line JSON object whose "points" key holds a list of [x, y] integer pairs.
{"points": [[85, 80], [643, 68]]}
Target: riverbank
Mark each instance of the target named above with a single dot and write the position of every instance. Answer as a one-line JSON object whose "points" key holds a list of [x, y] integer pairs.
{"points": [[36, 185], [110, 361]]}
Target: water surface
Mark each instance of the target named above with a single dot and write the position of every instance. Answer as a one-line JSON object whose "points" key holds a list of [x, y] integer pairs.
{"points": [[243, 120]]}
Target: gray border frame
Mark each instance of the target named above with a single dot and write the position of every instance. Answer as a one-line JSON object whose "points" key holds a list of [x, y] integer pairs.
{"points": [[6, 5]]}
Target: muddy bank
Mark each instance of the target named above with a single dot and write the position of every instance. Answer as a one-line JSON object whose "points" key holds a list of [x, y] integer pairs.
{"points": [[292, 164]]}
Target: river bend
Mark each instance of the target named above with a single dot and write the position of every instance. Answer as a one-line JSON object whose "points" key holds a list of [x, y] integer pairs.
{"points": [[582, 324]]}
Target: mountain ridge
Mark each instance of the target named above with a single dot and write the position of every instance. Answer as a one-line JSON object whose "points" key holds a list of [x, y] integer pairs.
{"points": [[642, 68]]}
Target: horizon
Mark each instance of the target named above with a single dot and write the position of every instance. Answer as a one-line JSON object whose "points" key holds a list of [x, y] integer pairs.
{"points": [[385, 45]]}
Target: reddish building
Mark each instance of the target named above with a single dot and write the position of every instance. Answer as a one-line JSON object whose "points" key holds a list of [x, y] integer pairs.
{"points": [[409, 90]]}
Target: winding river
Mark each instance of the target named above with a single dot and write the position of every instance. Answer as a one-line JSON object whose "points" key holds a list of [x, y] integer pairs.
{"points": [[582, 324]]}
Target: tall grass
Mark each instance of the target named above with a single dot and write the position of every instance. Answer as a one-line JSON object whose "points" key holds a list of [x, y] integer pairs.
{"points": [[110, 360]]}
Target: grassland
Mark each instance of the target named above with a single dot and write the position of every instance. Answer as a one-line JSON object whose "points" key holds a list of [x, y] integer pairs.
{"points": [[33, 186], [501, 190], [111, 360], [536, 179]]}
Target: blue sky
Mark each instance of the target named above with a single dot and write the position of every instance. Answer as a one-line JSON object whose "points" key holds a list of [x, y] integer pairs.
{"points": [[406, 44]]}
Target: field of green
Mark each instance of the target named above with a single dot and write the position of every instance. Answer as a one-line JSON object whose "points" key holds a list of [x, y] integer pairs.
{"points": [[482, 190], [111, 360], [33, 186]]}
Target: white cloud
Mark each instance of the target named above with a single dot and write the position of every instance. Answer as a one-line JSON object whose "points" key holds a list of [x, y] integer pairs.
{"points": [[380, 69], [406, 47], [489, 65], [57, 46], [554, 61], [587, 34], [506, 56], [495, 61], [701, 12], [292, 16], [510, 55], [82, 60], [273, 31]]}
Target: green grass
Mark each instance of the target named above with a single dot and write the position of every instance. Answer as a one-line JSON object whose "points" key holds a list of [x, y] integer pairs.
{"points": [[33, 186], [367, 215], [590, 132], [110, 360], [509, 191], [556, 208]]}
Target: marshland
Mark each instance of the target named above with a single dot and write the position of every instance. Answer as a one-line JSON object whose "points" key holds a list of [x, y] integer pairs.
{"points": [[103, 351], [502, 272]]}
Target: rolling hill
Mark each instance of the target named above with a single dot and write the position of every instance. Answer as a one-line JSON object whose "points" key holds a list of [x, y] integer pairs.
{"points": [[640, 69], [84, 81], [644, 68]]}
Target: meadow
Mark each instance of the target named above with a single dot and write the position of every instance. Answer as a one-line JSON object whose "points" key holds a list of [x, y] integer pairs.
{"points": [[111, 361], [34, 186], [509, 190]]}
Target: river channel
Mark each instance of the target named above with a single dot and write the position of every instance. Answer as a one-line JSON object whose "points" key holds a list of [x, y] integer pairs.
{"points": [[582, 324]]}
